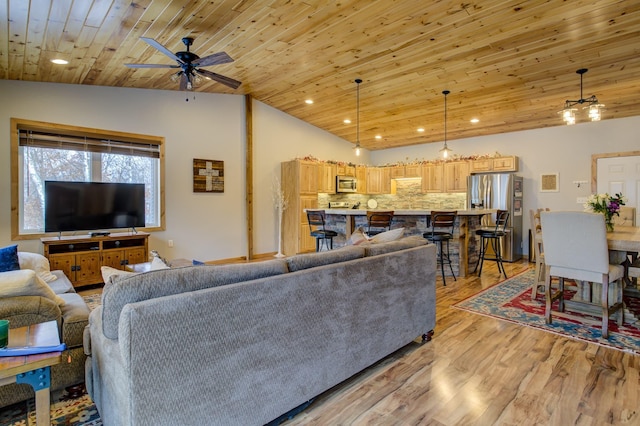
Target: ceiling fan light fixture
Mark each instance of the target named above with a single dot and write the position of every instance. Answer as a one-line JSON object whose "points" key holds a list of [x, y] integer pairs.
{"points": [[593, 106]]}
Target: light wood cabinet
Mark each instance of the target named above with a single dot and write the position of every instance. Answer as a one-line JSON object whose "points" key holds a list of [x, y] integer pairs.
{"points": [[295, 177], [81, 257], [378, 180], [327, 178], [396, 172], [455, 176], [413, 170], [361, 176], [495, 164], [432, 178], [345, 170]]}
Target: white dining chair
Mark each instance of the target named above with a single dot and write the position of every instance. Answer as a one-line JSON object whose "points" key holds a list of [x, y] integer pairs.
{"points": [[538, 250], [575, 247]]}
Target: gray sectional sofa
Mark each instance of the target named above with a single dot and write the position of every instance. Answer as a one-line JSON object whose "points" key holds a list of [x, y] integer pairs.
{"points": [[243, 344]]}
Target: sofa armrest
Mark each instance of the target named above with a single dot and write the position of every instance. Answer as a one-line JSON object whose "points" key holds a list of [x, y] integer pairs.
{"points": [[26, 310]]}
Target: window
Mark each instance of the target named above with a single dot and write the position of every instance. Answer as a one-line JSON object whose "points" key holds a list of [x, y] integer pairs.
{"points": [[44, 151]]}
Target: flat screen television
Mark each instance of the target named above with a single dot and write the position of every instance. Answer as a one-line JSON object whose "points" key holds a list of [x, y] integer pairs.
{"points": [[90, 206]]}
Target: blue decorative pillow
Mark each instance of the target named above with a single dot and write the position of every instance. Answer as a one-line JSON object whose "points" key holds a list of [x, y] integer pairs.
{"points": [[9, 259]]}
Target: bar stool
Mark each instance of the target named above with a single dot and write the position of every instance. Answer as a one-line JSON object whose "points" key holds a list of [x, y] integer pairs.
{"points": [[493, 235], [442, 224], [380, 220], [318, 230]]}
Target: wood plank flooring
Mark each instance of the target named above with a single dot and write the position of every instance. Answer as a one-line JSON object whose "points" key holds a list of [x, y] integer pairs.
{"points": [[482, 371]]}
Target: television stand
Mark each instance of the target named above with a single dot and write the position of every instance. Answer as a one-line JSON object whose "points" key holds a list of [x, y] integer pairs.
{"points": [[99, 234], [81, 257]]}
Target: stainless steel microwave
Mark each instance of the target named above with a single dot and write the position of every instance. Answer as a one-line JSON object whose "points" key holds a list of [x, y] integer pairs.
{"points": [[346, 184]]}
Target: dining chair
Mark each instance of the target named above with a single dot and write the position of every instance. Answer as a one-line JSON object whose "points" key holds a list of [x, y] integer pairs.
{"points": [[318, 230], [378, 221], [442, 225], [538, 251], [493, 235], [575, 248]]}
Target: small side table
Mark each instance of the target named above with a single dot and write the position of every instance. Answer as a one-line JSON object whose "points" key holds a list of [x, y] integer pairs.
{"points": [[33, 369]]}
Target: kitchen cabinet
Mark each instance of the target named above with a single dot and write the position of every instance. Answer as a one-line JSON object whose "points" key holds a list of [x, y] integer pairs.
{"points": [[326, 178], [345, 170], [361, 176], [413, 170], [432, 178], [378, 180], [495, 164], [455, 176], [81, 257], [298, 177], [396, 172]]}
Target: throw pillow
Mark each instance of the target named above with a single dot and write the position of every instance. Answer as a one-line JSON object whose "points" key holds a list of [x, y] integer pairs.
{"points": [[25, 282], [38, 263], [9, 258], [385, 237], [358, 237], [108, 272]]}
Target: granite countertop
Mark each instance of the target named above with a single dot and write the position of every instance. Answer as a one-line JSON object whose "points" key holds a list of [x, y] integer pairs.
{"points": [[412, 212]]}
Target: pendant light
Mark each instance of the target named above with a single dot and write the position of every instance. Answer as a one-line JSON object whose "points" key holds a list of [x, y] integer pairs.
{"points": [[445, 150], [595, 109], [357, 147]]}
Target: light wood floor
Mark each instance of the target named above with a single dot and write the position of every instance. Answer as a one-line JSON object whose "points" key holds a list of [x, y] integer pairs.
{"points": [[482, 371]]}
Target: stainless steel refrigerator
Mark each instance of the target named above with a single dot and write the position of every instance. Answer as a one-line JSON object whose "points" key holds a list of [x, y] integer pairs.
{"points": [[500, 191]]}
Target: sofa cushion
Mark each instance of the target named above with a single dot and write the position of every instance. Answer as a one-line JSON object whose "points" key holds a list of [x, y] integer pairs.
{"points": [[9, 258], [25, 282], [75, 317], [404, 243], [311, 260], [61, 284], [38, 263], [122, 290], [109, 273]]}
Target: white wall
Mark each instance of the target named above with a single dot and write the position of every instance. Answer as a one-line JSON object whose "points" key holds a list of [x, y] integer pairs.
{"points": [[203, 226]]}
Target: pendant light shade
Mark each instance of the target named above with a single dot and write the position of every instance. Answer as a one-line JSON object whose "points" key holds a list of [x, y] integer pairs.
{"points": [[446, 152], [357, 147]]}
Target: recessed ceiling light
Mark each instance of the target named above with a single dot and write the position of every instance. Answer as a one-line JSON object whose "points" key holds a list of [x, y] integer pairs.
{"points": [[347, 121], [475, 120], [420, 129], [60, 61], [378, 137], [308, 101]]}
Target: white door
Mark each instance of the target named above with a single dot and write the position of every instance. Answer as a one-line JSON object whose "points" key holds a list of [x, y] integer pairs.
{"points": [[621, 174]]}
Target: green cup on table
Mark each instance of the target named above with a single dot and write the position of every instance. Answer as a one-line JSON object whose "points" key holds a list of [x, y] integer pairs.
{"points": [[4, 333]]}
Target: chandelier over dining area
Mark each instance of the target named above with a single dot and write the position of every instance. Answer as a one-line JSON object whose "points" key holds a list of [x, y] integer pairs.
{"points": [[593, 106]]}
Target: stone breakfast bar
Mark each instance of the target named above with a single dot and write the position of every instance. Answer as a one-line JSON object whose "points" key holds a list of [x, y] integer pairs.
{"points": [[463, 247]]}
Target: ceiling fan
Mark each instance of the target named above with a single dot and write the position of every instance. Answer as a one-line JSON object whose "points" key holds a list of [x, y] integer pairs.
{"points": [[190, 64]]}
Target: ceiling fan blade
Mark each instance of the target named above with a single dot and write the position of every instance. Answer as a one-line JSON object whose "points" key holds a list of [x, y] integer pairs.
{"points": [[151, 66], [215, 59], [184, 81], [160, 47], [227, 81]]}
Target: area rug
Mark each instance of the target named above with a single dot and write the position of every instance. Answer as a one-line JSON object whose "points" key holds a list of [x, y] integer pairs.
{"points": [[64, 411], [510, 300]]}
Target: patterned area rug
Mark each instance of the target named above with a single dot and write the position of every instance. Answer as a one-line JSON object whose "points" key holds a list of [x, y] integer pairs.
{"points": [[64, 411], [511, 301]]}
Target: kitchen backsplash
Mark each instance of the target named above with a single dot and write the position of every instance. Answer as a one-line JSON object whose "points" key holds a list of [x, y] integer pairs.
{"points": [[408, 196]]}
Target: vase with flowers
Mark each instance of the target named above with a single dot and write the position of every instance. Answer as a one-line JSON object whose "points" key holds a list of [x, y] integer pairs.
{"points": [[608, 205]]}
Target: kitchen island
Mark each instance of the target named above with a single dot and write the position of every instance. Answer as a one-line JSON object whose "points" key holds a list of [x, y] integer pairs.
{"points": [[463, 248]]}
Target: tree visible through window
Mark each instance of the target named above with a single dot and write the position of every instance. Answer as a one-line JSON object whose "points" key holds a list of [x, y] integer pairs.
{"points": [[72, 156]]}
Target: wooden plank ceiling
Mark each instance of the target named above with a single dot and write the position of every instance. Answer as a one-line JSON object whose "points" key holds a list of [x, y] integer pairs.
{"points": [[511, 64]]}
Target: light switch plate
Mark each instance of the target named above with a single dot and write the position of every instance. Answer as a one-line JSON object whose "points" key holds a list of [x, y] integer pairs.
{"points": [[581, 200]]}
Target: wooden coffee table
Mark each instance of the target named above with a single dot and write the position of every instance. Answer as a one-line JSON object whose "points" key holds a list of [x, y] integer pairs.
{"points": [[33, 369]]}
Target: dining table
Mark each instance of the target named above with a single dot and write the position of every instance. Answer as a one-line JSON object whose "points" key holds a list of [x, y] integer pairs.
{"points": [[624, 245]]}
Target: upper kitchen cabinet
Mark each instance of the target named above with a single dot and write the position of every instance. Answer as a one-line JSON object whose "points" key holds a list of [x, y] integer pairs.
{"points": [[345, 170], [361, 176], [455, 176], [495, 164], [405, 171], [432, 178], [378, 180], [327, 178]]}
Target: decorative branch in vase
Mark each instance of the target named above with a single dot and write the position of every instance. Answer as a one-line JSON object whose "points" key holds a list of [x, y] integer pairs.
{"points": [[608, 205], [280, 203]]}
